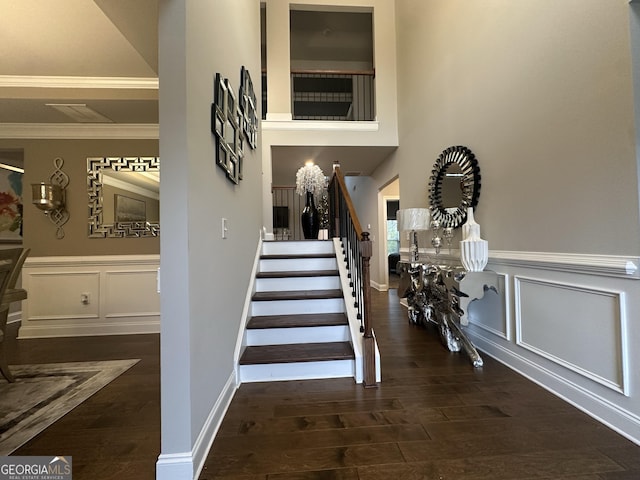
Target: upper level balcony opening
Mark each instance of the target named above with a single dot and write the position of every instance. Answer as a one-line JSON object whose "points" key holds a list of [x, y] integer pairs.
{"points": [[331, 95], [331, 62]]}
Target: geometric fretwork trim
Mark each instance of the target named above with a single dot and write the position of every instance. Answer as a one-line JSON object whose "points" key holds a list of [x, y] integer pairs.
{"points": [[95, 168]]}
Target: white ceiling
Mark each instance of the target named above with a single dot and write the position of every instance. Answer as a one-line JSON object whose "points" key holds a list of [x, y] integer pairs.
{"points": [[104, 54]]}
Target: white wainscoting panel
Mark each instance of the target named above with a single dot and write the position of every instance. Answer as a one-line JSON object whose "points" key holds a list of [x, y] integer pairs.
{"points": [[118, 289], [121, 291], [581, 328], [491, 312], [56, 295]]}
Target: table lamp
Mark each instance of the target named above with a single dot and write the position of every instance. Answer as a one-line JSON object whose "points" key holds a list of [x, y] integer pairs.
{"points": [[414, 220]]}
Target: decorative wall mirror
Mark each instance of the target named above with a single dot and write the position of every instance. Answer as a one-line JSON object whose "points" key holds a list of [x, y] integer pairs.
{"points": [[454, 186], [124, 197]]}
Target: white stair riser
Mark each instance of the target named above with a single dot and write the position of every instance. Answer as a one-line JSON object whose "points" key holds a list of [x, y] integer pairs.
{"points": [[282, 336], [297, 371], [288, 284], [290, 307], [288, 248], [297, 264]]}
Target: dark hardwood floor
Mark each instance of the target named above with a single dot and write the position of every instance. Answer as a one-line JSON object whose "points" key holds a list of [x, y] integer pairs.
{"points": [[433, 417], [115, 434]]}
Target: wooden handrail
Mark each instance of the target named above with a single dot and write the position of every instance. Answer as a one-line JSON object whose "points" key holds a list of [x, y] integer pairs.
{"points": [[358, 251], [338, 177]]}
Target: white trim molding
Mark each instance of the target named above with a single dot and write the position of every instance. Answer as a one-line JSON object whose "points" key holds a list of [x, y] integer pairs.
{"points": [[43, 81], [76, 131], [612, 415], [616, 322], [314, 126], [607, 265], [571, 322], [188, 465], [621, 266], [120, 291]]}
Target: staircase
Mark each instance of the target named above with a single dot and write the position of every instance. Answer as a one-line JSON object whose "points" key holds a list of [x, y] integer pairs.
{"points": [[298, 327]]}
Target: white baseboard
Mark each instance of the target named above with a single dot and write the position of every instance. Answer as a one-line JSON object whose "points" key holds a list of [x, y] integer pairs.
{"points": [[175, 466], [212, 424], [188, 465]]}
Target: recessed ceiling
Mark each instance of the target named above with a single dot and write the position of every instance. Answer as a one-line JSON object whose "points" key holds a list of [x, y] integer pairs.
{"points": [[100, 53]]}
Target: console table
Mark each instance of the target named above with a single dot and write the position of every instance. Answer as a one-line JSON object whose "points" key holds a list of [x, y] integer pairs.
{"points": [[441, 294]]}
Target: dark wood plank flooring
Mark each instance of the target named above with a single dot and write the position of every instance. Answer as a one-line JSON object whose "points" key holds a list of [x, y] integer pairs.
{"points": [[433, 417], [115, 433]]}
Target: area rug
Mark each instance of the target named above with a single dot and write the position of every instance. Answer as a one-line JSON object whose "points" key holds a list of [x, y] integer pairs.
{"points": [[44, 393]]}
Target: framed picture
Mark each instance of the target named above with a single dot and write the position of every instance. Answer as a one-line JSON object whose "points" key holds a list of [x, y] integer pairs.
{"points": [[220, 92], [222, 156], [240, 160], [10, 206], [233, 169], [217, 121], [129, 209], [231, 108], [227, 126], [230, 135], [249, 120]]}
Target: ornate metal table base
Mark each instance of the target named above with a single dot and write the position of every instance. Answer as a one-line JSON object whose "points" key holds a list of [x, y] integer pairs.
{"points": [[433, 297]]}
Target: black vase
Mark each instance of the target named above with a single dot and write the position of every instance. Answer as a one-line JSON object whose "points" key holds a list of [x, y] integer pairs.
{"points": [[310, 218]]}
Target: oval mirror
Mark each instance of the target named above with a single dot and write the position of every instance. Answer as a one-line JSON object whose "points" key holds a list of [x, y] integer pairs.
{"points": [[454, 186]]}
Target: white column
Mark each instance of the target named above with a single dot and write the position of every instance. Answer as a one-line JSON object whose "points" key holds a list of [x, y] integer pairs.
{"points": [[278, 61]]}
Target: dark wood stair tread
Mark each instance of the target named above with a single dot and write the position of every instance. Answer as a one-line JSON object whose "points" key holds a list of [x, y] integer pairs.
{"points": [[300, 273], [297, 352], [297, 295], [285, 256], [293, 321]]}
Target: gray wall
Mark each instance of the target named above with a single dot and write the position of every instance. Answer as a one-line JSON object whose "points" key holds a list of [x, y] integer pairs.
{"points": [[541, 92], [39, 232], [204, 278]]}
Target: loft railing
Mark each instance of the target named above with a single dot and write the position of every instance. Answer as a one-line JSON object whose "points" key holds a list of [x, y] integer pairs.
{"points": [[333, 95], [357, 250], [329, 95]]}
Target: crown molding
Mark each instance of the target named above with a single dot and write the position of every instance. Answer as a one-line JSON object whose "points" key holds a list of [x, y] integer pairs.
{"points": [[79, 131], [31, 81]]}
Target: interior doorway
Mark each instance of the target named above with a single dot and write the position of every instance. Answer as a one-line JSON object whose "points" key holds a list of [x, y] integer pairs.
{"points": [[390, 251]]}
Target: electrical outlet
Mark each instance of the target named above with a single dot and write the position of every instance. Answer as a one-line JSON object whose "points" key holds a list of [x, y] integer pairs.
{"points": [[85, 298]]}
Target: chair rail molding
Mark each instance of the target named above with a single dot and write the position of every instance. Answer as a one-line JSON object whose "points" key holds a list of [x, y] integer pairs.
{"points": [[620, 266], [606, 265]]}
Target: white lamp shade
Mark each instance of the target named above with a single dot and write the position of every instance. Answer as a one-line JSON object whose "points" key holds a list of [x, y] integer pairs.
{"points": [[412, 219]]}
